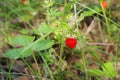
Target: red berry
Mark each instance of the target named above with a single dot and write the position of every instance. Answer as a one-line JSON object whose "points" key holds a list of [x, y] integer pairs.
{"points": [[71, 42], [104, 4], [23, 1]]}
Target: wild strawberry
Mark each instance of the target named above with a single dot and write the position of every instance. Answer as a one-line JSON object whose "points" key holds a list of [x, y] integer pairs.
{"points": [[23, 1], [104, 4], [71, 42]]}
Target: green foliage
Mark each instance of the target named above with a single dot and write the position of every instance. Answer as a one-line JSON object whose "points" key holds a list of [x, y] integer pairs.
{"points": [[26, 41], [49, 57], [44, 28], [22, 40], [16, 53], [95, 72], [59, 1], [43, 45], [52, 14], [67, 9], [107, 71], [114, 28], [48, 3], [87, 12], [64, 29]]}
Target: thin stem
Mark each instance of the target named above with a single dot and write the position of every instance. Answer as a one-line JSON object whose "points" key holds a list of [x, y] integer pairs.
{"points": [[106, 20], [84, 64], [11, 66], [19, 74], [61, 47], [116, 57], [50, 72], [75, 13], [101, 44], [37, 66], [98, 13]]}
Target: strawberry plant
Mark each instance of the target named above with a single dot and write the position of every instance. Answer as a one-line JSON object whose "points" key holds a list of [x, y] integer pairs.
{"points": [[59, 40]]}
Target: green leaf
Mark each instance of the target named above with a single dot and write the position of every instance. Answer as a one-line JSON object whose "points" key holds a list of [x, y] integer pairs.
{"points": [[67, 9], [95, 72], [44, 28], [16, 53], [43, 45], [24, 31], [95, 55], [114, 28], [50, 59], [90, 13], [58, 1], [22, 40], [82, 16], [26, 17], [109, 70]]}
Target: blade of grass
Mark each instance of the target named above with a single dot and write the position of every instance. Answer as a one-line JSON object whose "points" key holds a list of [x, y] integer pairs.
{"points": [[50, 72], [98, 13]]}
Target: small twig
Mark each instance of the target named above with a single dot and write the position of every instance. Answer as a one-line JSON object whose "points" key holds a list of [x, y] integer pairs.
{"points": [[73, 17], [101, 44], [22, 74], [91, 26]]}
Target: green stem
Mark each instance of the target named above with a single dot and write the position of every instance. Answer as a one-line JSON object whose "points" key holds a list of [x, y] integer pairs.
{"points": [[106, 20], [10, 68], [84, 65], [37, 65], [50, 72], [116, 57], [61, 47], [98, 13]]}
